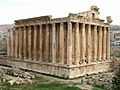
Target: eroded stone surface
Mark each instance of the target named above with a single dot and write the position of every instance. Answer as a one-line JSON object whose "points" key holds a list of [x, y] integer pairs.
{"points": [[14, 75]]}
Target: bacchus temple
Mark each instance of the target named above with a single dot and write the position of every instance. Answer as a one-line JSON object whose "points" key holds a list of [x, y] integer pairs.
{"points": [[67, 47]]}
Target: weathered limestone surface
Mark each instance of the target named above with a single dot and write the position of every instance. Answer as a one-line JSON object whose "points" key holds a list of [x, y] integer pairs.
{"points": [[67, 47], [25, 43], [89, 46], [100, 44]]}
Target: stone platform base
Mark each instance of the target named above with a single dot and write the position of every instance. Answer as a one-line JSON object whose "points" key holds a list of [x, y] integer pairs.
{"points": [[58, 70]]}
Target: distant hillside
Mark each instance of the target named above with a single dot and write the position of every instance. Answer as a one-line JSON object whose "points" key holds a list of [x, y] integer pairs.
{"points": [[115, 27], [6, 26]]}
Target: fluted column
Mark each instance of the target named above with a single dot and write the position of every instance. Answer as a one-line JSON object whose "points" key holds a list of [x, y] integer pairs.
{"points": [[77, 48], [104, 43], [53, 44], [24, 46], [61, 43], [8, 43], [100, 44], [89, 48], [16, 42], [11, 39], [20, 42], [83, 43], [47, 43], [35, 43], [95, 43], [40, 42], [29, 43], [69, 44], [108, 43]]}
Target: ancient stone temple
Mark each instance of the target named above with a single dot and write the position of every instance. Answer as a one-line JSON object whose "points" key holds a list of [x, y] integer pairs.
{"points": [[67, 47]]}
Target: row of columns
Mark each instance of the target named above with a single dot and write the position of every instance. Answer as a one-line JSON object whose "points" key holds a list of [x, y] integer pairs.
{"points": [[91, 43]]}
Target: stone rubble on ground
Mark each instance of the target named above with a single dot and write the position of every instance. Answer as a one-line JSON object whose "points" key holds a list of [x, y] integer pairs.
{"points": [[102, 79], [15, 76]]}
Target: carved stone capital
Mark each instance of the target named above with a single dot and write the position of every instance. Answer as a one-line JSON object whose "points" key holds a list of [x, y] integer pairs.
{"points": [[109, 20]]}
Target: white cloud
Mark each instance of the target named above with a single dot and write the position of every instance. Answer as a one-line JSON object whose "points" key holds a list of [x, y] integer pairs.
{"points": [[18, 9]]}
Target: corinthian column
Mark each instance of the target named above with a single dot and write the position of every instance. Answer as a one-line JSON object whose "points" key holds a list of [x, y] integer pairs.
{"points": [[35, 43], [16, 42], [69, 44], [47, 43], [24, 46], [108, 43], [104, 43], [61, 43], [53, 44], [100, 44], [77, 46], [83, 43], [40, 43], [20, 43], [8, 43], [11, 44], [95, 43], [29, 43], [89, 44]]}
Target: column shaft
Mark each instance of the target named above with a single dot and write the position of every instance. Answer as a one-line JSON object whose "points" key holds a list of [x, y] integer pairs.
{"points": [[53, 44], [47, 44], [89, 51], [16, 43], [95, 43], [35, 43], [8, 44], [61, 43], [20, 43], [24, 46], [29, 43], [108, 43], [104, 43], [83, 43], [77, 48], [69, 44], [40, 43], [100, 44], [11, 37]]}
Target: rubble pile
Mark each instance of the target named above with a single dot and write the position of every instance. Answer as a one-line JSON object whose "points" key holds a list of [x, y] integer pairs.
{"points": [[13, 75]]}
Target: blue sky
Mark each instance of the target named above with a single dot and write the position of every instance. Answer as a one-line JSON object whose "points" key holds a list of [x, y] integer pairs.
{"points": [[11, 10]]}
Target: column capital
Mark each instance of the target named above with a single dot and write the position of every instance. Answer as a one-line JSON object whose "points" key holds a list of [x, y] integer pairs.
{"points": [[61, 22]]}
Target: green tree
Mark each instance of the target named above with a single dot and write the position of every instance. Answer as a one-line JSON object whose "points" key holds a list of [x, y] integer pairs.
{"points": [[116, 79]]}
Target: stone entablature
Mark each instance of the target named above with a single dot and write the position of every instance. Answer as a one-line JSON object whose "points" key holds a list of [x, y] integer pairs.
{"points": [[84, 17], [66, 47]]}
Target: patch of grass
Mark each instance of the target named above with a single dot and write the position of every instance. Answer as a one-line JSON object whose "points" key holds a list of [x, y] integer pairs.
{"points": [[39, 79], [116, 55], [38, 86], [98, 87]]}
